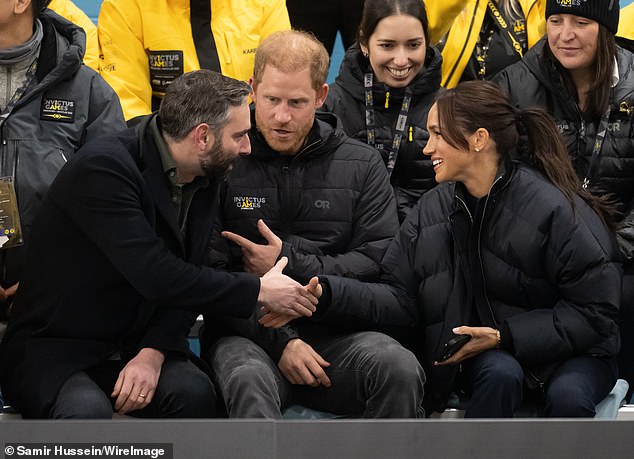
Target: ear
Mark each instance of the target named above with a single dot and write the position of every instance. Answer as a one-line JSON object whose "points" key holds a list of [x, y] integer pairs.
{"points": [[202, 136], [364, 50], [21, 6], [479, 139], [321, 95], [254, 87]]}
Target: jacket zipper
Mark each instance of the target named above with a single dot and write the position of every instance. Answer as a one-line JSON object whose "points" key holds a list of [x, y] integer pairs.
{"points": [[286, 205], [484, 281]]}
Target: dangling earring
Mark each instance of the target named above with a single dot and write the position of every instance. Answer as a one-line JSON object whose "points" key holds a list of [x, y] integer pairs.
{"points": [[365, 54]]}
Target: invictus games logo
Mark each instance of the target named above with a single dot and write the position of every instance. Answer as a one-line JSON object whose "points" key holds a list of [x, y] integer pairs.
{"points": [[248, 202], [165, 59], [569, 3], [54, 109], [165, 66]]}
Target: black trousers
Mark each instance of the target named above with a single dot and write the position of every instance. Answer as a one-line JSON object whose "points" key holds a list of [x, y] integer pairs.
{"points": [[183, 391]]}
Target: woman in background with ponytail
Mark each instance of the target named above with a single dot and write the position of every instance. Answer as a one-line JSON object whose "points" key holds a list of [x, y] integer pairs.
{"points": [[512, 252]]}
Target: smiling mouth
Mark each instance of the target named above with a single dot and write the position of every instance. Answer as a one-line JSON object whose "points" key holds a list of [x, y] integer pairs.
{"points": [[399, 73], [436, 162]]}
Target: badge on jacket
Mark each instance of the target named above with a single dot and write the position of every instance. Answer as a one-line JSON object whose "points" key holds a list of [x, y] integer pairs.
{"points": [[60, 110]]}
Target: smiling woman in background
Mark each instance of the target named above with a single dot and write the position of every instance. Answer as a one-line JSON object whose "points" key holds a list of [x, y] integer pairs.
{"points": [[385, 87]]}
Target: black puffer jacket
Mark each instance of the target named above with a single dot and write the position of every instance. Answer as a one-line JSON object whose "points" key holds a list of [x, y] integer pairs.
{"points": [[535, 82], [331, 204], [413, 173], [547, 274]]}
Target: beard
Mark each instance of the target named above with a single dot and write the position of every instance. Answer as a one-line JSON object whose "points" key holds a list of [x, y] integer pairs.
{"points": [[218, 163]]}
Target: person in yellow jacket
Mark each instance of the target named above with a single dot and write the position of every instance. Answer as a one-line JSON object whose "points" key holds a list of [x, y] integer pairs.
{"points": [[146, 44], [480, 37], [626, 22], [74, 14]]}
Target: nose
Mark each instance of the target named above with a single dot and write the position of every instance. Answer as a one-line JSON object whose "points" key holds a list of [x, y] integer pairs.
{"points": [[567, 31], [401, 57], [282, 113], [245, 146], [428, 149]]}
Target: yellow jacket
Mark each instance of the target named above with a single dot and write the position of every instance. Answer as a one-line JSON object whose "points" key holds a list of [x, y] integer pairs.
{"points": [[70, 11], [626, 22], [463, 20], [134, 32]]}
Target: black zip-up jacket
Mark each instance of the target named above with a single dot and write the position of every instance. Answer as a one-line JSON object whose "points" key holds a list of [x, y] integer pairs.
{"points": [[66, 105], [413, 173], [535, 82], [546, 274], [331, 204]]}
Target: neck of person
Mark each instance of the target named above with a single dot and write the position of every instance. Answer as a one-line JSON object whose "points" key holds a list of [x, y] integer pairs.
{"points": [[18, 33], [479, 180], [582, 78]]}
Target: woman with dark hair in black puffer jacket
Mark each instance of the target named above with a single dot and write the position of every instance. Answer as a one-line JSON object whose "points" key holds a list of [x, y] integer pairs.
{"points": [[513, 254], [386, 84]]}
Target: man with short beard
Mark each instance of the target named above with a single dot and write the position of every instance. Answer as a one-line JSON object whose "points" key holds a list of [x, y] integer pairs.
{"points": [[118, 267], [310, 194]]}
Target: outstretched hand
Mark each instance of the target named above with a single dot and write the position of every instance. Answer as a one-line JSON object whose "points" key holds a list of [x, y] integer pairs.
{"points": [[282, 295], [275, 319], [258, 258]]}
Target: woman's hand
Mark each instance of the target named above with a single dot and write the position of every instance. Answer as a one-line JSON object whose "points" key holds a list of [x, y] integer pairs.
{"points": [[482, 339]]}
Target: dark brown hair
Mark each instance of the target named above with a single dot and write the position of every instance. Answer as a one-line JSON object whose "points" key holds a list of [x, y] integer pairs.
{"points": [[529, 135], [375, 10]]}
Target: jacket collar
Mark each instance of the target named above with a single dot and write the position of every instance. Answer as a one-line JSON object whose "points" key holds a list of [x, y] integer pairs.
{"points": [[324, 136], [503, 176]]}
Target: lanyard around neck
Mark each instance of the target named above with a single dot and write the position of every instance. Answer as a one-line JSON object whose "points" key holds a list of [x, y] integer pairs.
{"points": [[596, 148], [370, 122]]}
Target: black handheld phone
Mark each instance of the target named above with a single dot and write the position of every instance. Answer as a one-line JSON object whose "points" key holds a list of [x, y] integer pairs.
{"points": [[452, 346]]}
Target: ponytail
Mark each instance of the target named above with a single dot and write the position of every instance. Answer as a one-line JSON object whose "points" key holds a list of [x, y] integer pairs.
{"points": [[541, 146]]}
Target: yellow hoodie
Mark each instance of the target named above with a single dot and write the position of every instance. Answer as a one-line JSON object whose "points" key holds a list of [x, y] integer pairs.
{"points": [[70, 11], [626, 22], [137, 34], [463, 20]]}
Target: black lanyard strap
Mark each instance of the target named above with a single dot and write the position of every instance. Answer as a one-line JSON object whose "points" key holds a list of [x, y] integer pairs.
{"points": [[401, 122], [596, 148], [519, 45], [200, 18]]}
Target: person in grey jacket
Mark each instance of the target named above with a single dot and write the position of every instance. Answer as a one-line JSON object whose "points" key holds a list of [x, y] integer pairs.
{"points": [[50, 105]]}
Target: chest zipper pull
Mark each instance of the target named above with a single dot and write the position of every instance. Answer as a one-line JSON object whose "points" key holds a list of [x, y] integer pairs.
{"points": [[387, 99], [411, 133]]}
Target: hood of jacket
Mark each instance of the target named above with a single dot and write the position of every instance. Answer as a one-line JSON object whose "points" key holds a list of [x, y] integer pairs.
{"points": [[61, 53], [354, 66], [324, 137]]}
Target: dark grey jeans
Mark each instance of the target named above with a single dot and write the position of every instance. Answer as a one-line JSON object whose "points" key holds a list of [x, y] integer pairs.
{"points": [[183, 391], [372, 376]]}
